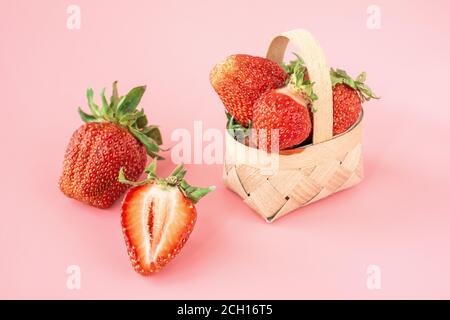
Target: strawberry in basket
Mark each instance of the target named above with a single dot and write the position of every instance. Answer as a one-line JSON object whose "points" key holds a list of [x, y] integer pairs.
{"points": [[281, 117], [348, 95], [241, 79], [278, 105], [273, 100]]}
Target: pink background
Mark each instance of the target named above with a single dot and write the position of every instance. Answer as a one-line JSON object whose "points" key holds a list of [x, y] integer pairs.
{"points": [[398, 218]]}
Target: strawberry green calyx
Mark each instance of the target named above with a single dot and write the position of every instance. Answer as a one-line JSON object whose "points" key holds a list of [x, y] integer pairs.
{"points": [[176, 178], [298, 79], [364, 92], [122, 110], [237, 129]]}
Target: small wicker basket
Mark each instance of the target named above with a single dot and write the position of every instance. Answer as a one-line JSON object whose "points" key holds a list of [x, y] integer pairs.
{"points": [[276, 184]]}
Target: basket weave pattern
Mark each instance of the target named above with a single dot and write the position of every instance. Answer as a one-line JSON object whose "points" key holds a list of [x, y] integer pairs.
{"points": [[272, 196]]}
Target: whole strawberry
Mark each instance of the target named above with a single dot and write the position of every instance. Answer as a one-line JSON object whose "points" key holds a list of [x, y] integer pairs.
{"points": [[348, 96], [158, 215], [241, 79], [114, 136], [282, 117], [281, 120]]}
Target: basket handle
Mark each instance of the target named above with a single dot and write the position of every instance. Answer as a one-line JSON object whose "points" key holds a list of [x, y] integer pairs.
{"points": [[319, 73]]}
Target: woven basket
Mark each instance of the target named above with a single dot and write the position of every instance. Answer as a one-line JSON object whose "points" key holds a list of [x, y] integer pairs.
{"points": [[276, 184]]}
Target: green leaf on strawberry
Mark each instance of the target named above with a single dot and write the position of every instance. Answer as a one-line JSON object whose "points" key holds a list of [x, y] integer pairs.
{"points": [[141, 121], [153, 132], [364, 92], [131, 101], [150, 145], [92, 106], [87, 117], [236, 129], [176, 178], [114, 101], [123, 111], [299, 80]]}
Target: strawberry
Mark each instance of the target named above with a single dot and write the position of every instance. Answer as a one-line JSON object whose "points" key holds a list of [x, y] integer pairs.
{"points": [[158, 215], [114, 136], [283, 114], [348, 95], [241, 79]]}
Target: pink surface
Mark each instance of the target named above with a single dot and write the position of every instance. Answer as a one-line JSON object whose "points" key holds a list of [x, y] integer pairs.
{"points": [[398, 218]]}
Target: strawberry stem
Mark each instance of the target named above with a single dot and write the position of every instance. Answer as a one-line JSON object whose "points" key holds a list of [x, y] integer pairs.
{"points": [[341, 76], [176, 179], [123, 111], [298, 79], [236, 129], [297, 71], [123, 179], [195, 193]]}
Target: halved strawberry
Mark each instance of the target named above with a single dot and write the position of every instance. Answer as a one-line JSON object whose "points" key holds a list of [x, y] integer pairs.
{"points": [[158, 216]]}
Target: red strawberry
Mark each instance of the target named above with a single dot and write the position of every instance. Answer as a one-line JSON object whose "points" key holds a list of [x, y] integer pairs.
{"points": [[241, 79], [348, 95], [158, 216], [114, 136], [280, 114], [284, 113]]}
